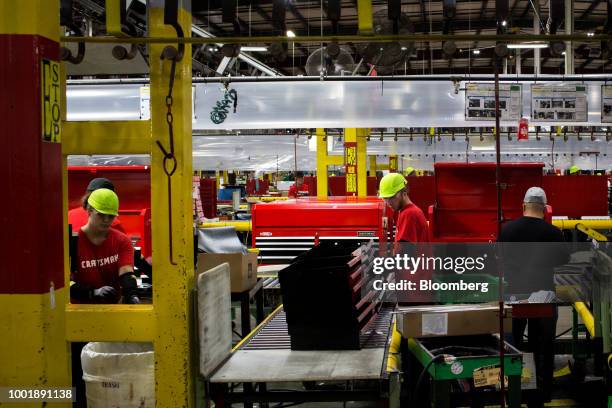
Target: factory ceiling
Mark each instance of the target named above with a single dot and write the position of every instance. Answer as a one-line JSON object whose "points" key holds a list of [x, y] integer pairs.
{"points": [[311, 18]]}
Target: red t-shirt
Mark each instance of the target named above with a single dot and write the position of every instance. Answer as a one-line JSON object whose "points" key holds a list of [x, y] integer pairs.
{"points": [[293, 191], [78, 217], [411, 225], [99, 264]]}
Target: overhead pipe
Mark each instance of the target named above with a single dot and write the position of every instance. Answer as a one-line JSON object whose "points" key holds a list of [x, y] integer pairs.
{"points": [[422, 78], [511, 38]]}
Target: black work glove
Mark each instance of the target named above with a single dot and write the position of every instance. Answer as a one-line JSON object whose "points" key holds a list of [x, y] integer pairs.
{"points": [[80, 292], [105, 294], [131, 300], [129, 288]]}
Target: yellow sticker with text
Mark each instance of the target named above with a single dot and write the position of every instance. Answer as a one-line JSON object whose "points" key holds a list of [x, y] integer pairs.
{"points": [[485, 376], [50, 94], [351, 183], [351, 156]]}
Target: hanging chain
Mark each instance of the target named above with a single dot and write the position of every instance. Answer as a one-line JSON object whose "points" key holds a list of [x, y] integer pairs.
{"points": [[170, 163]]}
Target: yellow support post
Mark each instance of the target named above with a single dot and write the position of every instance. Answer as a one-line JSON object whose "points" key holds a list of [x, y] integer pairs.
{"points": [[225, 176], [113, 18], [172, 216], [393, 163], [218, 179], [321, 164], [364, 16], [362, 171], [373, 167]]}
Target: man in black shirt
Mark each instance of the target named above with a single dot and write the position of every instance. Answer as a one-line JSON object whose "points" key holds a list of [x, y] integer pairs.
{"points": [[528, 269]]}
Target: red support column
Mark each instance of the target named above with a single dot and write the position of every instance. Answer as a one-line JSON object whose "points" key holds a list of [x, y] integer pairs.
{"points": [[31, 246], [33, 350]]}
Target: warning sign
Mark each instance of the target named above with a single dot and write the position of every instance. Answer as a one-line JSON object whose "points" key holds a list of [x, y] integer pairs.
{"points": [[486, 376], [350, 155], [50, 101]]}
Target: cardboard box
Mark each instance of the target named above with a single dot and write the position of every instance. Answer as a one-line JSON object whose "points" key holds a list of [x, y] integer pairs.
{"points": [[451, 320], [243, 268]]}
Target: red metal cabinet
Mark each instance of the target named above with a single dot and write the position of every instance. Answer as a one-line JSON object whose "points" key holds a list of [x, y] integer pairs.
{"points": [[577, 196], [208, 195], [465, 208], [283, 229]]}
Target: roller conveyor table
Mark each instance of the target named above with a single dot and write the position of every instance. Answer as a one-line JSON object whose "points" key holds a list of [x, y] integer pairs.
{"points": [[265, 356]]}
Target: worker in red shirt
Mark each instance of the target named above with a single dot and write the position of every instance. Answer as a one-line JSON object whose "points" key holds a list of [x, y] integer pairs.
{"points": [[105, 255], [105, 268], [77, 217], [411, 225], [298, 186]]}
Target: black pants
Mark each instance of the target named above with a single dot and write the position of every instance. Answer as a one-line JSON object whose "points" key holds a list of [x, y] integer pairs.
{"points": [[540, 341], [77, 375]]}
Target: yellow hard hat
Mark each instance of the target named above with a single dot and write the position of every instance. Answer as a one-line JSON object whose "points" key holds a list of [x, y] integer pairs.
{"points": [[409, 170], [574, 169], [104, 201], [391, 184]]}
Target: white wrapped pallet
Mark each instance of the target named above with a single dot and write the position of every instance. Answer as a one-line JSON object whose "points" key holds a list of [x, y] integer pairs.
{"points": [[119, 375]]}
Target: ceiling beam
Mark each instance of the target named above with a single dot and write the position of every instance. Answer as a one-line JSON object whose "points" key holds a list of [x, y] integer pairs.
{"points": [[208, 25], [299, 16], [585, 63], [524, 14], [482, 13], [423, 12], [585, 14]]}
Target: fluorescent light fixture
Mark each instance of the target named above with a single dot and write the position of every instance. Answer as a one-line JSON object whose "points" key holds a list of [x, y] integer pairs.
{"points": [[590, 34], [290, 34], [527, 46], [404, 48], [504, 23], [563, 53], [254, 49], [476, 52]]}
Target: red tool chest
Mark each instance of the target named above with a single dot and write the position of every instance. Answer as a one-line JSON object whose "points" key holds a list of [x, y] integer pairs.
{"points": [[284, 229]]}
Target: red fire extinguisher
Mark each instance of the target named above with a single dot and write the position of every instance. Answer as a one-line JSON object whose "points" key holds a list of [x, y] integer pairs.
{"points": [[523, 129]]}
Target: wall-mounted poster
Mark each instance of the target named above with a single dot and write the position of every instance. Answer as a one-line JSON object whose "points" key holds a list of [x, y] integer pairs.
{"points": [[606, 103], [480, 101], [564, 103]]}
